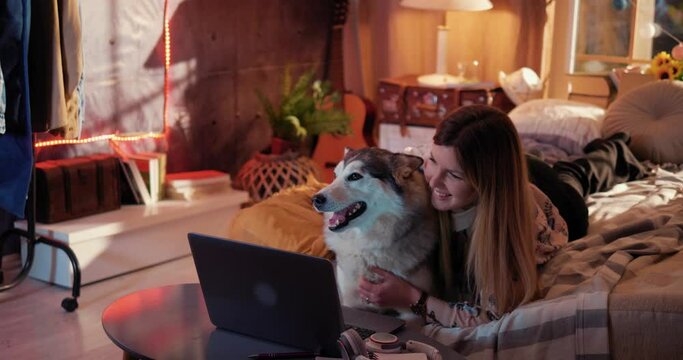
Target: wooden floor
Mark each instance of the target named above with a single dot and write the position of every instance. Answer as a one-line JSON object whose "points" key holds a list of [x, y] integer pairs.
{"points": [[33, 324]]}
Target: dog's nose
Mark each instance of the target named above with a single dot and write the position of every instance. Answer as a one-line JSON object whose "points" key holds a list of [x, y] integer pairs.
{"points": [[319, 199]]}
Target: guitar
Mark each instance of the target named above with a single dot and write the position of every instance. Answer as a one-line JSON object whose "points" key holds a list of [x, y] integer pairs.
{"points": [[329, 149]]}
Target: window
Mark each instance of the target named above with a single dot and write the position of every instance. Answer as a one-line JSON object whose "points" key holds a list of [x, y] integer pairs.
{"points": [[616, 33]]}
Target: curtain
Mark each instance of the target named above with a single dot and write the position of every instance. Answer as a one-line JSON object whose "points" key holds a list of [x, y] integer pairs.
{"points": [[390, 40]]}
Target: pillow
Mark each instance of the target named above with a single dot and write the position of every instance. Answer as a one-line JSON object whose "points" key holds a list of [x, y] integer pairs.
{"points": [[568, 125], [653, 115], [285, 221], [521, 85]]}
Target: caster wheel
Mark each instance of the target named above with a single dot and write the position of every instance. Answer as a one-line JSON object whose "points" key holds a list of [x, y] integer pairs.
{"points": [[69, 304]]}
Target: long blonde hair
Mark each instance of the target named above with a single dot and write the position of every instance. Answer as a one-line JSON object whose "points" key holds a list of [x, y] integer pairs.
{"points": [[501, 251]]}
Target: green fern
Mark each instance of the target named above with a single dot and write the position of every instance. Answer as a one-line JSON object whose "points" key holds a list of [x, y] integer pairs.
{"points": [[306, 108]]}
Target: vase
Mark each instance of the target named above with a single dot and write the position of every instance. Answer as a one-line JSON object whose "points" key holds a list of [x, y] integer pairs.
{"points": [[279, 146]]}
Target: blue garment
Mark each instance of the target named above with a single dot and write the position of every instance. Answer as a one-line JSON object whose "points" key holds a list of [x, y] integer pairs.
{"points": [[16, 153]]}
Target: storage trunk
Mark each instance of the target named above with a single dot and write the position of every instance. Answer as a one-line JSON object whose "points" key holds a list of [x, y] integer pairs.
{"points": [[72, 188]]}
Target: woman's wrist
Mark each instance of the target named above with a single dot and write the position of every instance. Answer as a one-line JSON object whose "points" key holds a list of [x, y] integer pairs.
{"points": [[414, 295], [419, 305]]}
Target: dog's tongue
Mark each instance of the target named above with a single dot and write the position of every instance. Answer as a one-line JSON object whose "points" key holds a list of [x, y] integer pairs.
{"points": [[337, 218]]}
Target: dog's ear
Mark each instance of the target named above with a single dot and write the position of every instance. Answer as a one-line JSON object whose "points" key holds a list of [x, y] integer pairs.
{"points": [[404, 165], [347, 150]]}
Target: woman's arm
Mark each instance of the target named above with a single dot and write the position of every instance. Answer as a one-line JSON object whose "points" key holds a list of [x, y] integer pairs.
{"points": [[392, 291], [460, 314], [551, 229]]}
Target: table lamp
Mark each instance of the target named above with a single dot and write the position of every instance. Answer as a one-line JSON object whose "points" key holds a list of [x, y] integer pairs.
{"points": [[441, 78]]}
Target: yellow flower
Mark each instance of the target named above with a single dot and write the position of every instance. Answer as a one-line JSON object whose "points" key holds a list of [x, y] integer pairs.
{"points": [[676, 70], [660, 60], [662, 73]]}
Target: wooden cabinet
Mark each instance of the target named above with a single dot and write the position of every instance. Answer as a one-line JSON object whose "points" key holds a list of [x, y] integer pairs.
{"points": [[403, 101]]}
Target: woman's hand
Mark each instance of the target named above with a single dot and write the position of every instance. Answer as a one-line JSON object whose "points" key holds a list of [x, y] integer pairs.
{"points": [[388, 290]]}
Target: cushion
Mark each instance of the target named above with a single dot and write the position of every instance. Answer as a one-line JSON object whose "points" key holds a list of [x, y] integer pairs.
{"points": [[521, 85], [568, 125], [653, 115], [285, 221]]}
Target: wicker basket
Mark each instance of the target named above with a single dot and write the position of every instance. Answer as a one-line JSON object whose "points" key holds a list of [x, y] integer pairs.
{"points": [[265, 175]]}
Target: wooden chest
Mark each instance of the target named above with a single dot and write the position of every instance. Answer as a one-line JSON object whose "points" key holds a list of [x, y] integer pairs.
{"points": [[403, 101], [72, 188]]}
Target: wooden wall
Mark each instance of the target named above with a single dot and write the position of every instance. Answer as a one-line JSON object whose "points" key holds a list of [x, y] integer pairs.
{"points": [[235, 47]]}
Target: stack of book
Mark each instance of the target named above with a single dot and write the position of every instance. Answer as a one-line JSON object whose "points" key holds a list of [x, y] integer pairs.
{"points": [[143, 175], [196, 184]]}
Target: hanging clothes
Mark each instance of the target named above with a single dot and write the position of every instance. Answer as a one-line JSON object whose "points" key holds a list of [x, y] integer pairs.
{"points": [[3, 102], [56, 68], [16, 153]]}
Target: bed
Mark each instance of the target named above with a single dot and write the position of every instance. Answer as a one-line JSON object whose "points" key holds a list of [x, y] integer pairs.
{"points": [[617, 292]]}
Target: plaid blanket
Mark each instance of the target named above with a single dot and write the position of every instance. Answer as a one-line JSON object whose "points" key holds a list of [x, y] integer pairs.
{"points": [[572, 319]]}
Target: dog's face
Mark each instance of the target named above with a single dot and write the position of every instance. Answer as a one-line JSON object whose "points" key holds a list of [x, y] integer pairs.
{"points": [[369, 182]]}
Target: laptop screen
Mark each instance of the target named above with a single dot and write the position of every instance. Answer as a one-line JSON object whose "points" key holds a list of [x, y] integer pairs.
{"points": [[267, 293]]}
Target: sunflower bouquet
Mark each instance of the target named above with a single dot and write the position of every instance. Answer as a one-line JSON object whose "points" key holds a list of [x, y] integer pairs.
{"points": [[665, 67]]}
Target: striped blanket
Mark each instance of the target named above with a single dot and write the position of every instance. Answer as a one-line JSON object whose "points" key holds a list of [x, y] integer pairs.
{"points": [[572, 318]]}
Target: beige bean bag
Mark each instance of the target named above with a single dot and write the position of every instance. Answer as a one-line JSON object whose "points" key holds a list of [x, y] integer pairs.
{"points": [[285, 221], [653, 115]]}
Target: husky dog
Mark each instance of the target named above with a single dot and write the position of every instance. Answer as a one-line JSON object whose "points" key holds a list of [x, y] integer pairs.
{"points": [[378, 213]]}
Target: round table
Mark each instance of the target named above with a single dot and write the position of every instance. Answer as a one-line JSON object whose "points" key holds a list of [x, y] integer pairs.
{"points": [[171, 322]]}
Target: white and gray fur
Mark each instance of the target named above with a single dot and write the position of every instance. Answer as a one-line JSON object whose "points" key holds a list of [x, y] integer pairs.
{"points": [[396, 232]]}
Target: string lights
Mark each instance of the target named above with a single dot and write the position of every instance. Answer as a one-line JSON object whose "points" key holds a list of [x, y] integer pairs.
{"points": [[167, 89], [112, 137]]}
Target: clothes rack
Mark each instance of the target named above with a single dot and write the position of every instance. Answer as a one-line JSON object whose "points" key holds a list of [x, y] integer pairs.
{"points": [[70, 303]]}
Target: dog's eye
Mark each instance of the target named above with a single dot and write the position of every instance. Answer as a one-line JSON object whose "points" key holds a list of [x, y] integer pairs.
{"points": [[354, 177]]}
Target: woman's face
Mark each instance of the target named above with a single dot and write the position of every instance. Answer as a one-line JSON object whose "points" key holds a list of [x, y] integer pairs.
{"points": [[450, 190]]}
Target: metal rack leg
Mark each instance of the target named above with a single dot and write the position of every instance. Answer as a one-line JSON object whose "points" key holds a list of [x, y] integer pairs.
{"points": [[29, 257], [69, 304]]}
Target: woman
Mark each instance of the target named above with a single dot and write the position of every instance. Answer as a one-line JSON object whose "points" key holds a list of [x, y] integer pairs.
{"points": [[502, 225]]}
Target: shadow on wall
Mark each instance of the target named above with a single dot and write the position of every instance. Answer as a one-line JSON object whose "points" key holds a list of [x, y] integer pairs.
{"points": [[221, 51]]}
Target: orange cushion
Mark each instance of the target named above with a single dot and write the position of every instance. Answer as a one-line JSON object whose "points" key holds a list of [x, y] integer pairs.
{"points": [[284, 221]]}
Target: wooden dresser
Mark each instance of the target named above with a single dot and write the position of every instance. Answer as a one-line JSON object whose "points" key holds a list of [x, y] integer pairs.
{"points": [[410, 111]]}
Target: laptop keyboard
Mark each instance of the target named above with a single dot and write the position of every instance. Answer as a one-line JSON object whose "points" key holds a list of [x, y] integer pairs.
{"points": [[363, 332]]}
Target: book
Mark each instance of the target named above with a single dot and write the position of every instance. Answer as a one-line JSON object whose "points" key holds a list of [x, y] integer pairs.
{"points": [[139, 181], [193, 185], [157, 172], [129, 192], [197, 178]]}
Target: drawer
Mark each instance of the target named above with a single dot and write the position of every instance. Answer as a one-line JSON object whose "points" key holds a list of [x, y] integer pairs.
{"points": [[427, 107], [473, 97], [391, 106]]}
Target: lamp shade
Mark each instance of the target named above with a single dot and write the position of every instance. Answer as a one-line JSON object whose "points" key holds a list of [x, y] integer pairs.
{"points": [[448, 5]]}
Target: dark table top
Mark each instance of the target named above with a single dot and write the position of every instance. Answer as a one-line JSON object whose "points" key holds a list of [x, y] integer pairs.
{"points": [[171, 322]]}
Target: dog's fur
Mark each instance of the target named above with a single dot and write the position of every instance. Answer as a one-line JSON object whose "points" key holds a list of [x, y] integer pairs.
{"points": [[393, 226]]}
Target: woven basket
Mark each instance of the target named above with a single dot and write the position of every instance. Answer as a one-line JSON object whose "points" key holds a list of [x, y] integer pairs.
{"points": [[265, 175]]}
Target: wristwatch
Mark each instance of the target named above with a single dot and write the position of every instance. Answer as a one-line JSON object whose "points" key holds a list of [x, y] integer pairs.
{"points": [[420, 307]]}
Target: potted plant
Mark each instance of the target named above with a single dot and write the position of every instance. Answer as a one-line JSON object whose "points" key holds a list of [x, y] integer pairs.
{"points": [[306, 109]]}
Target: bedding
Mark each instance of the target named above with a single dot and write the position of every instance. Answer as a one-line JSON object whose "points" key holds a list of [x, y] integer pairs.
{"points": [[564, 124]]}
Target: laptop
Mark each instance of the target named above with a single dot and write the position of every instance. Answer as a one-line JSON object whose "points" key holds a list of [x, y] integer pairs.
{"points": [[276, 295]]}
